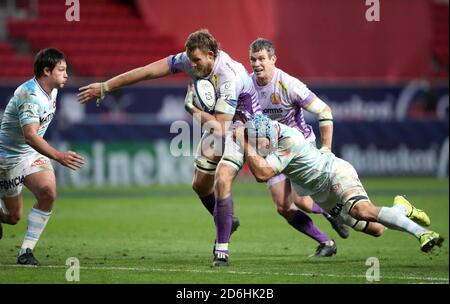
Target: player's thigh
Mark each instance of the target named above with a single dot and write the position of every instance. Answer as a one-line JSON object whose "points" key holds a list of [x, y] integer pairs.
{"points": [[233, 154], [347, 189], [42, 184], [210, 147], [11, 183], [208, 155], [280, 189]]}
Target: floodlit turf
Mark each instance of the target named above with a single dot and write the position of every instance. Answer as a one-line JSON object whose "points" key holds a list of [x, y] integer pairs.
{"points": [[164, 235]]}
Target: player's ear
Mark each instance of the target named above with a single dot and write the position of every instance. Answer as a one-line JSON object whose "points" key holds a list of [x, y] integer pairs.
{"points": [[210, 54], [47, 71], [274, 58]]}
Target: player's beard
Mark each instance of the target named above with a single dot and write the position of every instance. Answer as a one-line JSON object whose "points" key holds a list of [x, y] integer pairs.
{"points": [[203, 72]]}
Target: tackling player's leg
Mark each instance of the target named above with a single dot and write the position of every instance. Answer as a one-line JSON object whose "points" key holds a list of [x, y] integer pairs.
{"points": [[396, 218]]}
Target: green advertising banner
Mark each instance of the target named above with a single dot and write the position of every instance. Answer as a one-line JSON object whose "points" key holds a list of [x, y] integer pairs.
{"points": [[125, 164]]}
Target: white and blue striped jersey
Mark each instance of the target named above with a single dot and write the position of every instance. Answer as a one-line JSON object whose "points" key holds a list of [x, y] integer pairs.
{"points": [[301, 162], [30, 104]]}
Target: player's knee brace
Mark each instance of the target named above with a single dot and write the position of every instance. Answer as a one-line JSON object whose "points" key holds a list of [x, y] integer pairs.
{"points": [[205, 165]]}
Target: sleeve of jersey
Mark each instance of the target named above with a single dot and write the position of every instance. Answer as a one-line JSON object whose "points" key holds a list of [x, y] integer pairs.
{"points": [[178, 62], [301, 94], [280, 158], [28, 109], [227, 99]]}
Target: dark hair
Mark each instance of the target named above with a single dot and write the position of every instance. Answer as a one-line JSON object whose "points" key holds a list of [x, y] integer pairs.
{"points": [[203, 40], [261, 44], [47, 58]]}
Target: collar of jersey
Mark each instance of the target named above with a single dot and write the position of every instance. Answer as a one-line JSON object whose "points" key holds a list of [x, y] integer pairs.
{"points": [[42, 90]]}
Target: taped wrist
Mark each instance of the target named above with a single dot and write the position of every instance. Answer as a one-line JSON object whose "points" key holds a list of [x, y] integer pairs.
{"points": [[104, 89], [189, 102]]}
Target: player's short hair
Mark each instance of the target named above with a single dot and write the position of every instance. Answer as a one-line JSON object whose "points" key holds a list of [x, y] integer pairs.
{"points": [[263, 44], [203, 40], [47, 58]]}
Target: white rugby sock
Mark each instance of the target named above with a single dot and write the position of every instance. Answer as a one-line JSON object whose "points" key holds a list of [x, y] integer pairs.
{"points": [[37, 220], [394, 218]]}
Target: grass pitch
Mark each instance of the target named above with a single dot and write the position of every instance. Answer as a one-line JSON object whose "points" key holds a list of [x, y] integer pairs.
{"points": [[164, 235]]}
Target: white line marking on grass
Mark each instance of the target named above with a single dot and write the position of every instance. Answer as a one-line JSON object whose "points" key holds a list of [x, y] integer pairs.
{"points": [[443, 279]]}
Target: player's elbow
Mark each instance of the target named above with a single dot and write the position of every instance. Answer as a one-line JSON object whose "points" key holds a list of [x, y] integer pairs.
{"points": [[29, 137], [261, 177], [261, 180]]}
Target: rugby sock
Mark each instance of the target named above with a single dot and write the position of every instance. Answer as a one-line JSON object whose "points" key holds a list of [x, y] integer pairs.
{"points": [[317, 209], [209, 202], [395, 218], [303, 223], [37, 220], [223, 217]]}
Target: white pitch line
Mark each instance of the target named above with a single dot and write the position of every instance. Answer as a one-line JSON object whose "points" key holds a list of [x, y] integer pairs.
{"points": [[235, 272]]}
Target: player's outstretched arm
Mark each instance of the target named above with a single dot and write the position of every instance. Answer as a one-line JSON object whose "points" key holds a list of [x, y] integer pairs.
{"points": [[98, 90], [68, 159]]}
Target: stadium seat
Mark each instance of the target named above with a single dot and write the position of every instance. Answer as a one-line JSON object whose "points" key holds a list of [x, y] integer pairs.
{"points": [[98, 45]]}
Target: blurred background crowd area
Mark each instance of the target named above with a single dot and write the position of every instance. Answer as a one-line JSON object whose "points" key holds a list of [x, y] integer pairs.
{"points": [[386, 80]]}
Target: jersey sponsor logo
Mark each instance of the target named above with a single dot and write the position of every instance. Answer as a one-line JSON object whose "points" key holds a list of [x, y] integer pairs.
{"points": [[12, 183], [40, 162], [47, 119], [275, 98], [273, 111]]}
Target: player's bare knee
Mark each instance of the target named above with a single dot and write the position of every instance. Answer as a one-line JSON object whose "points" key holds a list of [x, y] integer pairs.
{"points": [[13, 218], [200, 188], [282, 210], [46, 195], [363, 211], [222, 185]]}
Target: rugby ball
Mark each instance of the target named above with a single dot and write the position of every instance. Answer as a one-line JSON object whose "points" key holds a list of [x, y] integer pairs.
{"points": [[205, 95]]}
